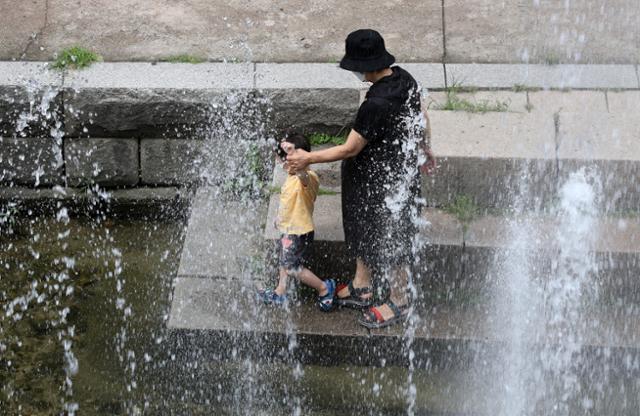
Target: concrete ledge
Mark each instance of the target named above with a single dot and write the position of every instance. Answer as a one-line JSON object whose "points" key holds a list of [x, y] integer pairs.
{"points": [[544, 76], [142, 75], [23, 73], [169, 202]]}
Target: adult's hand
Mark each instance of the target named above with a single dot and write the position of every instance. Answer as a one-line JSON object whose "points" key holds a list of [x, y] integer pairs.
{"points": [[298, 159]]}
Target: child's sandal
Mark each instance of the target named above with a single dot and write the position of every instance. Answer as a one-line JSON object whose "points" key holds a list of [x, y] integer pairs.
{"points": [[270, 297], [327, 302]]}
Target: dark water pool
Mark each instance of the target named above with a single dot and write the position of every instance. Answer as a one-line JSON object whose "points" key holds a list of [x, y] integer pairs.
{"points": [[82, 327], [112, 279]]}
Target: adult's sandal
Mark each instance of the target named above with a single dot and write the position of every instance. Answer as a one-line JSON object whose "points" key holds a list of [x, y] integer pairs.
{"points": [[357, 297], [372, 318]]}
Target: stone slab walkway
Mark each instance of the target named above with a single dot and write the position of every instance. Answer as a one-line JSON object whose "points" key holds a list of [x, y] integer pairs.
{"points": [[299, 31]]}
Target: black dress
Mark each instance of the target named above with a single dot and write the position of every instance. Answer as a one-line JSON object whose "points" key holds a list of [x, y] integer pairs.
{"points": [[381, 197]]}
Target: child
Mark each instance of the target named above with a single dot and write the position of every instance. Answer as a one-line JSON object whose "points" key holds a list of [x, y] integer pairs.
{"points": [[295, 223]]}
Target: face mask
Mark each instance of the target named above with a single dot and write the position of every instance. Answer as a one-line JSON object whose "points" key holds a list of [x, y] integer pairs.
{"points": [[359, 75]]}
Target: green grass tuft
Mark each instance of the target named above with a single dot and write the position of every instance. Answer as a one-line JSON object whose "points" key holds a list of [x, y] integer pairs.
{"points": [[464, 209], [75, 57], [184, 59], [317, 139], [456, 103]]}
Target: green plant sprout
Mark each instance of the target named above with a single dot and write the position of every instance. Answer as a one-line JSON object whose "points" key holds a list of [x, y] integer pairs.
{"points": [[464, 209], [456, 103], [318, 139], [75, 57]]}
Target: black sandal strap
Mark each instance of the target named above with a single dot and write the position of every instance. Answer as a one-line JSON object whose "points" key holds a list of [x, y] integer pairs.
{"points": [[397, 310], [358, 291]]}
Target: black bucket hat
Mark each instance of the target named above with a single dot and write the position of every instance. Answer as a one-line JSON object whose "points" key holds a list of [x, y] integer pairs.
{"points": [[366, 52]]}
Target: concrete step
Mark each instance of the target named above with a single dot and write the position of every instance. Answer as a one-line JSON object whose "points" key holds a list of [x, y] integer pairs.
{"points": [[227, 311], [525, 154], [460, 258]]}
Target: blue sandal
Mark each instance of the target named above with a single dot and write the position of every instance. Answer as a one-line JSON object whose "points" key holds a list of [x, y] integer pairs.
{"points": [[270, 297], [326, 303]]}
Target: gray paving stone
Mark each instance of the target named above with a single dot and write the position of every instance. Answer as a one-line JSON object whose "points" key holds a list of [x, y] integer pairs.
{"points": [[292, 31], [493, 183], [30, 161], [584, 76], [600, 136], [169, 161], [218, 307], [623, 102], [541, 32], [552, 102], [488, 75], [494, 135], [18, 26], [106, 162]]}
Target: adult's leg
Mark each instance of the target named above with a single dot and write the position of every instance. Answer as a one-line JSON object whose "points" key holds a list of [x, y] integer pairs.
{"points": [[361, 279], [399, 291]]}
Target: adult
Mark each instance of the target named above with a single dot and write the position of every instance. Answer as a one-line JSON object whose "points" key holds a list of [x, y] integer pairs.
{"points": [[381, 197]]}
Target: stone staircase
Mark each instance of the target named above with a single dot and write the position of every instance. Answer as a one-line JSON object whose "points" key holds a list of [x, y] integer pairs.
{"points": [[543, 137], [458, 276]]}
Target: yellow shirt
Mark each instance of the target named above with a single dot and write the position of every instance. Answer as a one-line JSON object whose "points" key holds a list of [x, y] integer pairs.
{"points": [[296, 204]]}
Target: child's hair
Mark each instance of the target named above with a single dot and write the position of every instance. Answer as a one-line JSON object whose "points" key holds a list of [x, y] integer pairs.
{"points": [[298, 140]]}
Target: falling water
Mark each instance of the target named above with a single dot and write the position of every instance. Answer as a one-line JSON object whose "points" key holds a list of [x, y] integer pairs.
{"points": [[539, 307]]}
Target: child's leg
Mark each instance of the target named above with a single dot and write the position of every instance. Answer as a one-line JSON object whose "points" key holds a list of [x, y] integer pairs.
{"points": [[283, 280], [307, 277]]}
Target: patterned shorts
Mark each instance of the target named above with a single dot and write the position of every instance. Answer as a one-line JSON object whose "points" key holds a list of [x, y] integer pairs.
{"points": [[293, 249]]}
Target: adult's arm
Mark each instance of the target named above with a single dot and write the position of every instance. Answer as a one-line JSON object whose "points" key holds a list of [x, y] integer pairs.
{"points": [[300, 159]]}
